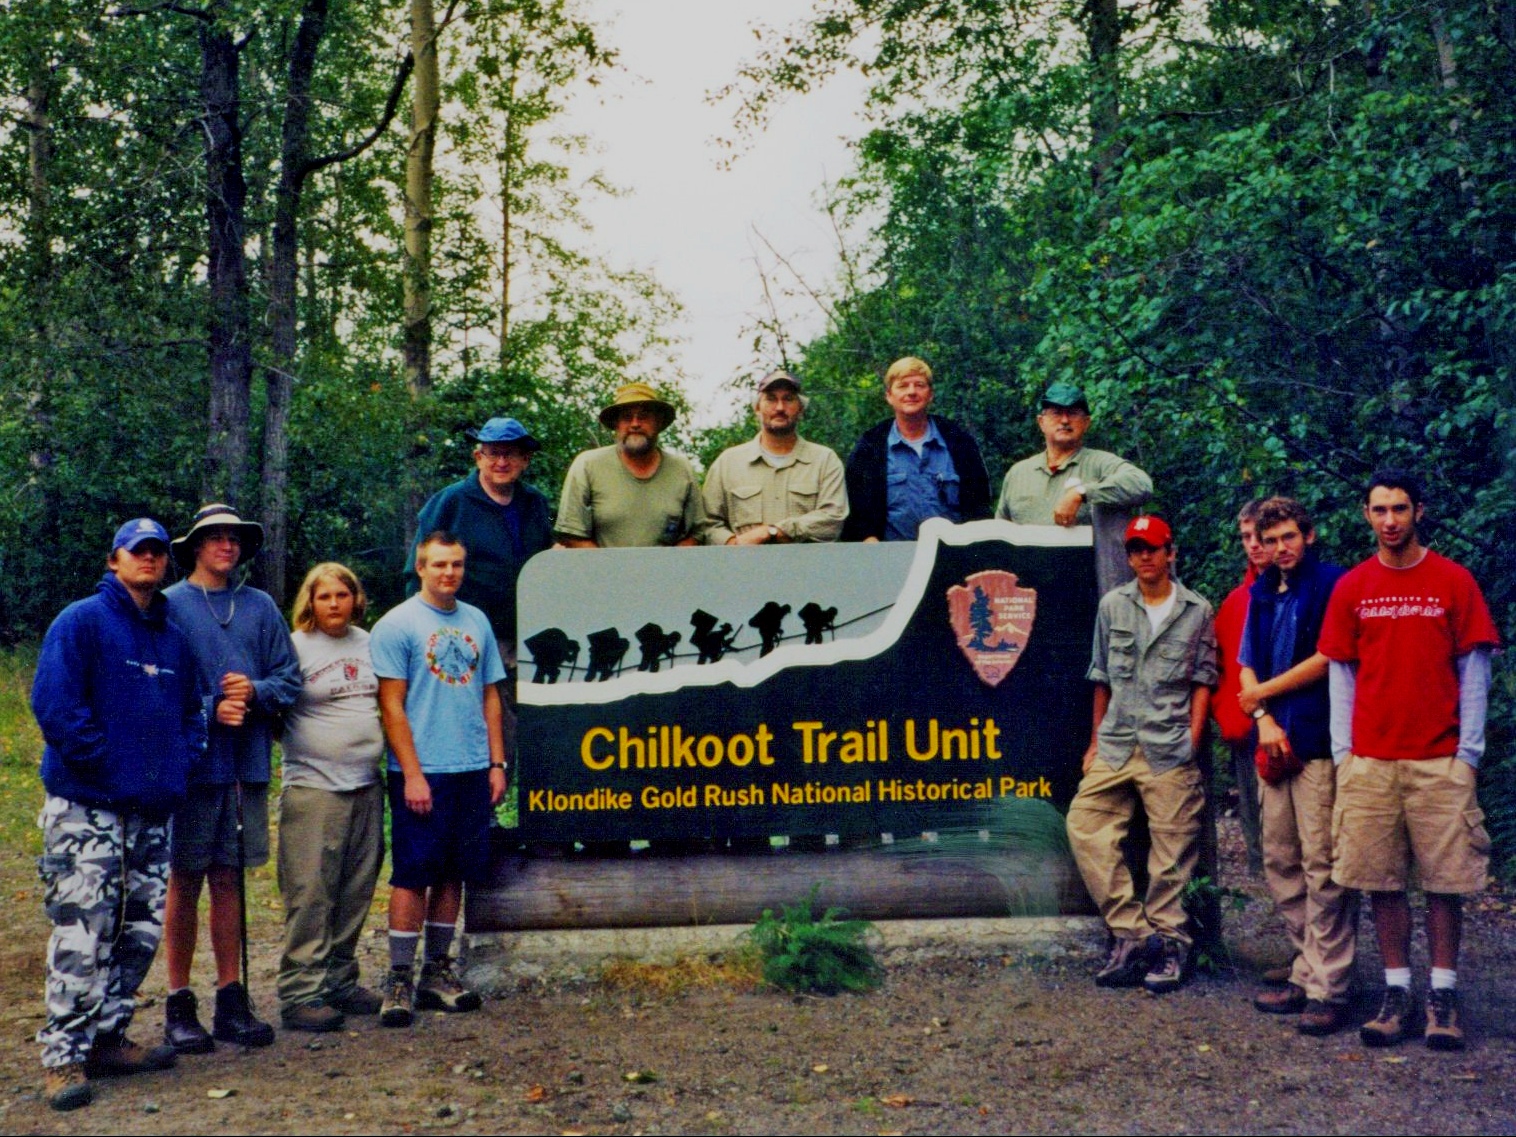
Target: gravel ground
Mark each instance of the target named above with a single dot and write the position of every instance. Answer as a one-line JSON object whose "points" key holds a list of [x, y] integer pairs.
{"points": [[963, 1042]]}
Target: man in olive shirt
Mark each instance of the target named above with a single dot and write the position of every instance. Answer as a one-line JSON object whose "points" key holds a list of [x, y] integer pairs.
{"points": [[633, 494], [1069, 484], [777, 488]]}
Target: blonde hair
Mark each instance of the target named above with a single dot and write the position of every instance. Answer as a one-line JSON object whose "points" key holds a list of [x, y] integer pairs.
{"points": [[303, 616], [910, 365]]}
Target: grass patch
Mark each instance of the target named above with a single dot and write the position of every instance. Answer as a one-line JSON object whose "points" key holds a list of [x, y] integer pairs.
{"points": [[20, 753], [739, 970]]}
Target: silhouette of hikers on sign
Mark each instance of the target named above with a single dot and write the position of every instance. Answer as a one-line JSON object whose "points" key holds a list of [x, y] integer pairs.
{"points": [[818, 621], [551, 648], [712, 641], [656, 644], [607, 648], [769, 622]]}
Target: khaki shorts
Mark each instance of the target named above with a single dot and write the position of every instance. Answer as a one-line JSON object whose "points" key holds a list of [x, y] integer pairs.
{"points": [[1389, 813]]}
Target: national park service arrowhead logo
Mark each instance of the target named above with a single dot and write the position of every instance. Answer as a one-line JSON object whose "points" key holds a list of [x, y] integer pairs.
{"points": [[992, 619]]}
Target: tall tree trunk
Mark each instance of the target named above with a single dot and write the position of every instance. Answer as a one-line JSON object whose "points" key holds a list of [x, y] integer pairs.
{"points": [[231, 357], [507, 160], [40, 277], [1103, 38], [417, 342], [294, 167]]}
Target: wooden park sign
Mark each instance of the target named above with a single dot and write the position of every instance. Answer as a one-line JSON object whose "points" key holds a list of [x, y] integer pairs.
{"points": [[795, 690]]}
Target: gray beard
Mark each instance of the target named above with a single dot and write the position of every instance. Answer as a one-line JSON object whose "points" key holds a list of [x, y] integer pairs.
{"points": [[637, 445]]}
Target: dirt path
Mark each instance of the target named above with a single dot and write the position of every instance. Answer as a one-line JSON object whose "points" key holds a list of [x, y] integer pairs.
{"points": [[964, 1044]]}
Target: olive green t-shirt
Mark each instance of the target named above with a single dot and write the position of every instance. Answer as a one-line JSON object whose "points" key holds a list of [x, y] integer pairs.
{"points": [[606, 503]]}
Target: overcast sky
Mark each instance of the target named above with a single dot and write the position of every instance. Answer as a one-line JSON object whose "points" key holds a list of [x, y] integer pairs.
{"points": [[685, 218]]}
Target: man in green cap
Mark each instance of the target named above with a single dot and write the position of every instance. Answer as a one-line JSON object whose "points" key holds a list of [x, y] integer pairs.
{"points": [[632, 494], [1068, 484]]}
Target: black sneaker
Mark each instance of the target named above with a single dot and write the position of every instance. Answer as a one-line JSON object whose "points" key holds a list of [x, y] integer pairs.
{"points": [[1393, 1022], [1168, 972], [181, 1025], [234, 1020], [1126, 965], [1443, 1031]]}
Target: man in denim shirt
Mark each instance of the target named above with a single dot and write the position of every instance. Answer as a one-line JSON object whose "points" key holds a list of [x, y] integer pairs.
{"points": [[1154, 662]]}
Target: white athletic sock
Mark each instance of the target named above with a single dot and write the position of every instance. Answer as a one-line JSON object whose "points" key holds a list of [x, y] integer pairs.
{"points": [[1397, 977], [1444, 979]]}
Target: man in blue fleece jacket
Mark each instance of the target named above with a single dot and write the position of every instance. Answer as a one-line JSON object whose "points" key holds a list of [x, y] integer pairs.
{"points": [[119, 704]]}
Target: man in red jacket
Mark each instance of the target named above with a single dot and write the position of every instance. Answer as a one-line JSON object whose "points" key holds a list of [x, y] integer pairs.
{"points": [[1237, 728]]}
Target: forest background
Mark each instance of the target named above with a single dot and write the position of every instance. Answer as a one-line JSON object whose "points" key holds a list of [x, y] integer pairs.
{"points": [[284, 253]]}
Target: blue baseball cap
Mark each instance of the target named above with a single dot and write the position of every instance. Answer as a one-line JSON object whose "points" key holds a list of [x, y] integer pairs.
{"points": [[133, 533], [501, 429]]}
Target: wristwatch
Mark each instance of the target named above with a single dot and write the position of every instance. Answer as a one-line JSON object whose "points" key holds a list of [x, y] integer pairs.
{"points": [[773, 532], [1259, 711]]}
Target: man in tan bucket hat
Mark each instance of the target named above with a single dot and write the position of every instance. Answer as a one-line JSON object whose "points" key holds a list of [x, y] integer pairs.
{"points": [[632, 494]]}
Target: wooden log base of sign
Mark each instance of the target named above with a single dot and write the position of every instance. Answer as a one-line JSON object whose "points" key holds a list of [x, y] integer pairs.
{"points": [[644, 890]]}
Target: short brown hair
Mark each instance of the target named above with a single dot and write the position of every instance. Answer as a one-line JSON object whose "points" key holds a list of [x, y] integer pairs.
{"points": [[303, 615], [437, 537], [1249, 512], [1278, 510], [910, 365]]}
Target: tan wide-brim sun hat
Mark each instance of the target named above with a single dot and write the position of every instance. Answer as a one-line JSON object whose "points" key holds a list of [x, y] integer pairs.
{"points": [[215, 515], [637, 395]]}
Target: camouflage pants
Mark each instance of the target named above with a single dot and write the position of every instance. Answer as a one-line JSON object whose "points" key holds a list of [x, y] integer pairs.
{"points": [[105, 876]]}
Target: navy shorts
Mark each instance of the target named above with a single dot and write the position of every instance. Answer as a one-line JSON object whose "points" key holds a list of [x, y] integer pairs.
{"points": [[450, 843]]}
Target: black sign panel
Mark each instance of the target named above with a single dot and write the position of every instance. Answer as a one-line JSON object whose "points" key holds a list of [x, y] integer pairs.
{"points": [[745, 692]]}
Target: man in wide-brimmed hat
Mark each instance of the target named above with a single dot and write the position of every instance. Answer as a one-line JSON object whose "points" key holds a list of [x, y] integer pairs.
{"points": [[245, 658], [633, 494]]}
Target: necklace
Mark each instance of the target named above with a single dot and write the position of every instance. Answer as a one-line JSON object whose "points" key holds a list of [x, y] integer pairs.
{"points": [[230, 612]]}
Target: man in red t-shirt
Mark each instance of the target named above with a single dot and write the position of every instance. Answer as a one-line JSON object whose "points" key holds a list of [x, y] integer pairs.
{"points": [[1237, 728], [1409, 637]]}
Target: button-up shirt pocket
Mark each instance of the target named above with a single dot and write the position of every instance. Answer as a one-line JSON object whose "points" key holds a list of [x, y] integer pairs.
{"points": [[746, 506], [1122, 654]]}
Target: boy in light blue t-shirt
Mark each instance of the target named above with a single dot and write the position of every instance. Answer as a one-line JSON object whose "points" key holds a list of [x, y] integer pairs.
{"points": [[438, 667]]}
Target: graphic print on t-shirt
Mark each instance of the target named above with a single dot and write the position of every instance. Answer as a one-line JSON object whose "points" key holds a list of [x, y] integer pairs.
{"points": [[452, 655]]}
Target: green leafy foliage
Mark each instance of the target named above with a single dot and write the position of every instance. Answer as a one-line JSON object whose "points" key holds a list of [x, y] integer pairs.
{"points": [[823, 955], [1285, 262]]}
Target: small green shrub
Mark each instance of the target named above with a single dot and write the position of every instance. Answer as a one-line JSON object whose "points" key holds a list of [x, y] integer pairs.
{"points": [[823, 956]]}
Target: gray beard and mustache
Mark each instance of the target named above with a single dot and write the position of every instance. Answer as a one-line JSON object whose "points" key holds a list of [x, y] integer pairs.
{"points": [[637, 444]]}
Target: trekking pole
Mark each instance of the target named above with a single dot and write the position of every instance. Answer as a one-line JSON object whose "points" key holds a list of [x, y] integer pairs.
{"points": [[242, 891]]}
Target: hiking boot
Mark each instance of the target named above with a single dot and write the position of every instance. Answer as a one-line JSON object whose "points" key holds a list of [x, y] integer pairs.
{"points": [[1443, 1031], [67, 1087], [399, 1000], [1167, 972], [181, 1025], [234, 1020], [117, 1055], [440, 990], [1287, 1000], [359, 1001], [316, 1017], [1321, 1018], [1126, 964], [1393, 1022]]}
